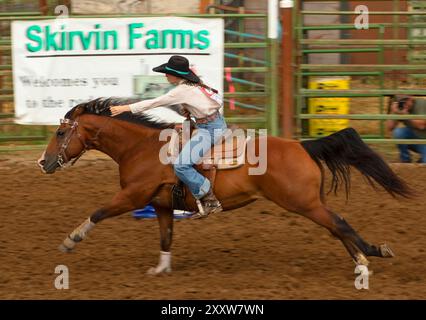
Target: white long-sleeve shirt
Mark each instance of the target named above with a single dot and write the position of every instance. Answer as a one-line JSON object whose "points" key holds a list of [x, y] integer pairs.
{"points": [[190, 97]]}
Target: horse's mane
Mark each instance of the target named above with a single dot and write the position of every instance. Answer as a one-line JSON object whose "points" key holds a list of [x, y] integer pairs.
{"points": [[100, 107]]}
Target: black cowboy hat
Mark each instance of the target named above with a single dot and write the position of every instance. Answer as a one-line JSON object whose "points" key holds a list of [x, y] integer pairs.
{"points": [[178, 66]]}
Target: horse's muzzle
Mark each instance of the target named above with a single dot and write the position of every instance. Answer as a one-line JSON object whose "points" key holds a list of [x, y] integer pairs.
{"points": [[47, 165]]}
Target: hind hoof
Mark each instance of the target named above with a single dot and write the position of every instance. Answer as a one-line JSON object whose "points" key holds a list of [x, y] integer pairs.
{"points": [[360, 259], [386, 251], [64, 249], [157, 271]]}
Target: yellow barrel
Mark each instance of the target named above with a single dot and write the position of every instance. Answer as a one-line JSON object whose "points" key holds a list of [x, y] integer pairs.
{"points": [[324, 127]]}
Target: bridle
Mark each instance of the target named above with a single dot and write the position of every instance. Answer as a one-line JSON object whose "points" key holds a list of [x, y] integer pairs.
{"points": [[63, 161]]}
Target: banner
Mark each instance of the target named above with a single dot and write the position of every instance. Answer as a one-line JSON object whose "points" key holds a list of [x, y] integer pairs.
{"points": [[60, 63]]}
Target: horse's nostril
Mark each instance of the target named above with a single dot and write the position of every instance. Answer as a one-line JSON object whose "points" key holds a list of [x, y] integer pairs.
{"points": [[41, 160]]}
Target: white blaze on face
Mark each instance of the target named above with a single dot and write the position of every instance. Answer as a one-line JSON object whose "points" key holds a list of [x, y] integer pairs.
{"points": [[40, 161]]}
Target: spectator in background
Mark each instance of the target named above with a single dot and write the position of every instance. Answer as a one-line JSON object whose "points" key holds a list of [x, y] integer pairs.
{"points": [[411, 129]]}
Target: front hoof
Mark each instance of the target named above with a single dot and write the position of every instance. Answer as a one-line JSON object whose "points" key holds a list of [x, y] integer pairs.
{"points": [[156, 271], [64, 249], [198, 216], [386, 251]]}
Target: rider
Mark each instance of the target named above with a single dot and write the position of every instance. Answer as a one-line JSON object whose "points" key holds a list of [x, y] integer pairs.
{"points": [[203, 103]]}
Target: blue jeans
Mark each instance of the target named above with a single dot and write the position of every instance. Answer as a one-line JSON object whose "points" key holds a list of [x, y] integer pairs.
{"points": [[404, 153], [208, 134]]}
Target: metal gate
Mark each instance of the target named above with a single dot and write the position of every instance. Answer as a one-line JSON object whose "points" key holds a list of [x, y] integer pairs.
{"points": [[387, 42]]}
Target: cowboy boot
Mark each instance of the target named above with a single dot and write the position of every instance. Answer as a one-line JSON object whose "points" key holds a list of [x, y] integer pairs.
{"points": [[209, 204]]}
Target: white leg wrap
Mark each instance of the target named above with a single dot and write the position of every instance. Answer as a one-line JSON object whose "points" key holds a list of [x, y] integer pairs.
{"points": [[81, 231], [200, 207], [165, 259], [164, 264]]}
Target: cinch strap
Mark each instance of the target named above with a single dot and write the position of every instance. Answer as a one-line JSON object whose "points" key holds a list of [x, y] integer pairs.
{"points": [[177, 71]]}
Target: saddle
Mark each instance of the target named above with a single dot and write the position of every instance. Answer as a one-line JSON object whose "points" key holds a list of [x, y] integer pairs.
{"points": [[227, 153]]}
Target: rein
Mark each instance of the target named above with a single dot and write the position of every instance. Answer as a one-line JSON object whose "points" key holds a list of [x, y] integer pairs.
{"points": [[63, 161]]}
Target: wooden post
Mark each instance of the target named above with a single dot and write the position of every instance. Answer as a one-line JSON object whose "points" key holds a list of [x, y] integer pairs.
{"points": [[273, 46], [203, 5], [287, 78], [43, 7], [44, 10]]}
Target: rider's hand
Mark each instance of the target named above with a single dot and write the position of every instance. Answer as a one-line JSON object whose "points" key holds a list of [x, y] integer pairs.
{"points": [[119, 109]]}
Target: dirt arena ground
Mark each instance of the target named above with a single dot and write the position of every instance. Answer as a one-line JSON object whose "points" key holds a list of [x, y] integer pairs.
{"points": [[258, 252]]}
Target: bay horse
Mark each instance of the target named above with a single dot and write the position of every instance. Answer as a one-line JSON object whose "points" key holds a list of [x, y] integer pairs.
{"points": [[294, 169]]}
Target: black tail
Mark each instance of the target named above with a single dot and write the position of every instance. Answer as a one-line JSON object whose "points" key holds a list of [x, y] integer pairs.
{"points": [[345, 148]]}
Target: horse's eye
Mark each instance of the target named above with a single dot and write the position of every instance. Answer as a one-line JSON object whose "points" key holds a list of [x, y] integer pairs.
{"points": [[60, 133]]}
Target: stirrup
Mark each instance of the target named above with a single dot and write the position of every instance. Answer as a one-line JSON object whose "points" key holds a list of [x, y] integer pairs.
{"points": [[202, 212]]}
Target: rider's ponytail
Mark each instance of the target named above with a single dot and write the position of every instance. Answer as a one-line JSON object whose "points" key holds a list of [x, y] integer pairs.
{"points": [[200, 84]]}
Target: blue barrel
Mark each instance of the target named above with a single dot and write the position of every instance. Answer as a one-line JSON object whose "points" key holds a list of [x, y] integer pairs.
{"points": [[149, 212], [146, 213], [181, 214]]}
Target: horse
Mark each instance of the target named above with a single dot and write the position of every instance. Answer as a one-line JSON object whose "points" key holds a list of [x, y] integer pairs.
{"points": [[295, 169]]}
